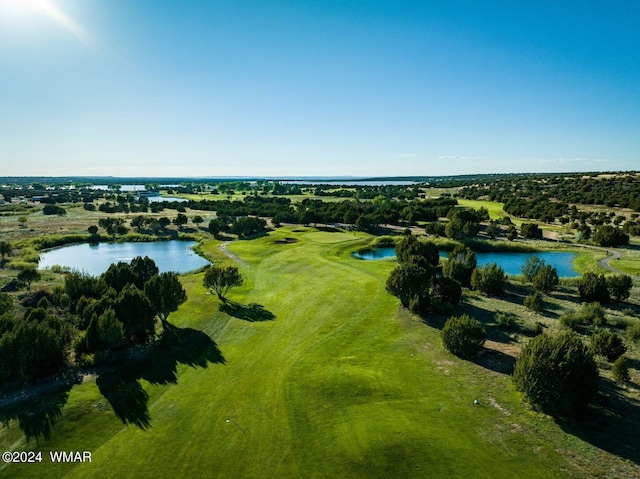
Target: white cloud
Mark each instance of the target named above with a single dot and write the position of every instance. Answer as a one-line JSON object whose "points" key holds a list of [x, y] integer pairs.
{"points": [[466, 158]]}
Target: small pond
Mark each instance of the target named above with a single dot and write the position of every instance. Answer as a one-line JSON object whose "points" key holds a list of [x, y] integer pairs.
{"points": [[176, 256], [510, 262]]}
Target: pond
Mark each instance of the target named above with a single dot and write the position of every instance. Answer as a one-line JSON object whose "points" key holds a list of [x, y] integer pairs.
{"points": [[176, 256], [510, 262]]}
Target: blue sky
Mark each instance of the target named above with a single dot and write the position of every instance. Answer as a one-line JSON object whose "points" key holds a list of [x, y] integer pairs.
{"points": [[330, 88]]}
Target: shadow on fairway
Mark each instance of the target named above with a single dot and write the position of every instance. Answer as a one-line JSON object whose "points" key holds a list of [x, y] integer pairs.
{"points": [[156, 363], [251, 312], [612, 424], [39, 407], [495, 361]]}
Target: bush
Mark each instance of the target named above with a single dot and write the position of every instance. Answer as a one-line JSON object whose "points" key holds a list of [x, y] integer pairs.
{"points": [[608, 344], [619, 286], [534, 302], [463, 336], [546, 278], [620, 370], [489, 279], [633, 331], [557, 375], [593, 287], [588, 314], [505, 320]]}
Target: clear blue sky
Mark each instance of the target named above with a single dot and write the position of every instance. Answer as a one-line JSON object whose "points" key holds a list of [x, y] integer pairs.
{"points": [[283, 88]]}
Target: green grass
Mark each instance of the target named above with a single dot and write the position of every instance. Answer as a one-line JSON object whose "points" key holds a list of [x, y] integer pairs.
{"points": [[496, 210], [343, 383]]}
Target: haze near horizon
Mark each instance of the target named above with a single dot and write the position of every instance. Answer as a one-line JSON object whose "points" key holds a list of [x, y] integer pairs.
{"points": [[365, 89]]}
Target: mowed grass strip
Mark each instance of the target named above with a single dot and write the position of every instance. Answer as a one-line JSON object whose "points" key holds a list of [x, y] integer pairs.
{"points": [[342, 383]]}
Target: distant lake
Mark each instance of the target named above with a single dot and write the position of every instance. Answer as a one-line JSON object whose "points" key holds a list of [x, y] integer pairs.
{"points": [[508, 261], [350, 183], [159, 199], [95, 259]]}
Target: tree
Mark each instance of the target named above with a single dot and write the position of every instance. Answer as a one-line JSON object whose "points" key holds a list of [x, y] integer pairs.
{"points": [[221, 279], [463, 336], [534, 302], [144, 269], [180, 220], [593, 287], [216, 226], [557, 375], [530, 231], [620, 370], [5, 250], [489, 279], [546, 279], [619, 286], [531, 266], [29, 275], [411, 247], [93, 230], [608, 235], [608, 344], [409, 281], [460, 264], [136, 314], [197, 220], [165, 294], [118, 275]]}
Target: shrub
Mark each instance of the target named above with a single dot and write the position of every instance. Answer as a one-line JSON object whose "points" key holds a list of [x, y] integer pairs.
{"points": [[489, 279], [619, 286], [463, 336], [588, 314], [534, 302], [620, 370], [593, 287], [633, 331], [557, 375], [546, 278], [505, 320], [608, 344]]}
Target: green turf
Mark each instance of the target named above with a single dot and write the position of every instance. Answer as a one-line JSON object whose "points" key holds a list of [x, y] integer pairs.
{"points": [[342, 383]]}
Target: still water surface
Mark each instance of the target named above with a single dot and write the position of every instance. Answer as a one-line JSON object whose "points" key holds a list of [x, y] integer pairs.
{"points": [[176, 256], [508, 261]]}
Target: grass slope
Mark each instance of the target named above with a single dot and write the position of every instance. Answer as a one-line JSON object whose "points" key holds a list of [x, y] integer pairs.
{"points": [[342, 383]]}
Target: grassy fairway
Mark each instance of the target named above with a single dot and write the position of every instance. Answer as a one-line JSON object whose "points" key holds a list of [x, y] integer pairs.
{"points": [[342, 383]]}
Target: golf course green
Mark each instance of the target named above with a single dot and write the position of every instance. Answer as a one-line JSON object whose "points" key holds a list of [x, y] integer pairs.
{"points": [[331, 379]]}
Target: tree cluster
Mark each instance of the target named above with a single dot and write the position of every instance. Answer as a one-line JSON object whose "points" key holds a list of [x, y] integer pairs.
{"points": [[415, 280]]}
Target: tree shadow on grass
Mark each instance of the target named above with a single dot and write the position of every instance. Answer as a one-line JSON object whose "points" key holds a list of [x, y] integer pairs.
{"points": [[38, 407], [612, 424], [251, 312], [495, 360], [156, 363]]}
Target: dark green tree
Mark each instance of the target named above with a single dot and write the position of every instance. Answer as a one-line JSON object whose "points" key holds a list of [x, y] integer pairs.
{"points": [[460, 264], [593, 287], [165, 293], [411, 247], [530, 231], [546, 279], [619, 286], [29, 275], [490, 279], [607, 235], [410, 280], [136, 314], [607, 344], [557, 375], [118, 275], [144, 268], [463, 336], [221, 279]]}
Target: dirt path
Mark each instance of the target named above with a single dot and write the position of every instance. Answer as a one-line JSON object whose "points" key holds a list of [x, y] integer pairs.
{"points": [[225, 251]]}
